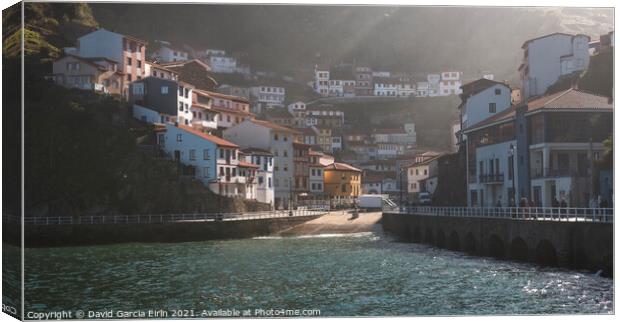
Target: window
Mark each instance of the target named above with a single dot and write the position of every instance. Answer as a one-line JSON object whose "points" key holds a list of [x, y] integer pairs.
{"points": [[180, 106], [425, 172], [129, 77], [234, 172], [179, 137], [269, 182], [275, 137], [417, 172], [221, 153], [164, 90], [285, 154], [138, 89], [492, 107], [206, 154], [498, 91], [205, 172], [192, 154], [128, 61], [344, 188], [139, 63]]}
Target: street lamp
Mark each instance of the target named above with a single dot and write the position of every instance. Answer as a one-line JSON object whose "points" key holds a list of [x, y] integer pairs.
{"points": [[512, 152], [290, 197], [400, 179]]}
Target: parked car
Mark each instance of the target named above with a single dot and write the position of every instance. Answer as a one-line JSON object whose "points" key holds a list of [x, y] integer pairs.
{"points": [[424, 198]]}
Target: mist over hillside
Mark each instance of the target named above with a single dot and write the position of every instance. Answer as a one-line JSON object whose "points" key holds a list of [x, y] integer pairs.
{"points": [[411, 39]]}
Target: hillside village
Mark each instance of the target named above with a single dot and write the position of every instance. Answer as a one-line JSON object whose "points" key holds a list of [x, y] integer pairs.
{"points": [[254, 143]]}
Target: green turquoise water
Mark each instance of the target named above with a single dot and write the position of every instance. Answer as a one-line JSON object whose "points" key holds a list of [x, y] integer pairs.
{"points": [[340, 275]]}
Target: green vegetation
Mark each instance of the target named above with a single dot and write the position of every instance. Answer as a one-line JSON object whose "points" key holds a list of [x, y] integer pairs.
{"points": [[48, 27], [598, 78]]}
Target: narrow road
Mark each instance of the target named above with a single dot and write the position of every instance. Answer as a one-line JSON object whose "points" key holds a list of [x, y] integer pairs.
{"points": [[336, 222]]}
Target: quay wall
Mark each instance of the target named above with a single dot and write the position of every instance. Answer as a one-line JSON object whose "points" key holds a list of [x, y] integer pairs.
{"points": [[576, 245], [185, 231]]}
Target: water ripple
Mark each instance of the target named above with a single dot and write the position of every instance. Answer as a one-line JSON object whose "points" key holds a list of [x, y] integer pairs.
{"points": [[362, 274]]}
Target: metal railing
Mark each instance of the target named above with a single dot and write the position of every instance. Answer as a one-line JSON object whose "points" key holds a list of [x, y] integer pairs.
{"points": [[492, 178], [604, 215], [161, 219]]}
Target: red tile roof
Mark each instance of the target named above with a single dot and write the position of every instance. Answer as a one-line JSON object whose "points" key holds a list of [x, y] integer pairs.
{"points": [[217, 140], [256, 151], [185, 62], [478, 86], [341, 167], [274, 126], [229, 110], [569, 99], [423, 162]]}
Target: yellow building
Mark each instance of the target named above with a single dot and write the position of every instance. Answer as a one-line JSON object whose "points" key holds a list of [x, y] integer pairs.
{"points": [[342, 182]]}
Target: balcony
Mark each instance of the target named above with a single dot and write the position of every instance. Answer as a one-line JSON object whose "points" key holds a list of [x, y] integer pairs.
{"points": [[496, 178], [556, 173]]}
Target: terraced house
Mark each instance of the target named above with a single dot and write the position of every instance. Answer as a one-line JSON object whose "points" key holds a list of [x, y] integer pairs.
{"points": [[127, 51]]}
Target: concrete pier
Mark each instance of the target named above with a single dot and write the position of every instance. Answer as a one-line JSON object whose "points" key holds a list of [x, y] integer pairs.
{"points": [[181, 231], [580, 245]]}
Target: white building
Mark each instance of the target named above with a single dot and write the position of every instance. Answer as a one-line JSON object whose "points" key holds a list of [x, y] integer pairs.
{"points": [[276, 139], [299, 112], [547, 58], [406, 89], [450, 83], [482, 99], [384, 86], [264, 177], [167, 53], [419, 171], [321, 80], [422, 89], [433, 84], [223, 64], [159, 71], [267, 96]]}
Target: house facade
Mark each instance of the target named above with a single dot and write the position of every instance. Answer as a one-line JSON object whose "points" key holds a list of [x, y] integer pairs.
{"points": [[129, 52], [315, 174], [560, 161], [157, 100], [267, 96], [205, 157], [482, 99], [419, 171], [342, 182], [276, 139], [450, 83], [96, 74], [363, 81], [264, 176], [547, 58]]}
